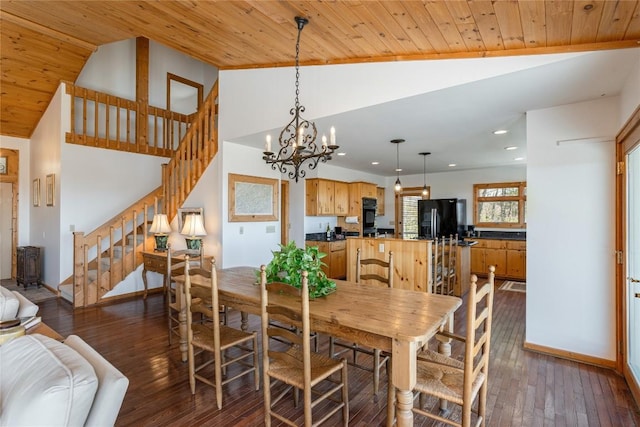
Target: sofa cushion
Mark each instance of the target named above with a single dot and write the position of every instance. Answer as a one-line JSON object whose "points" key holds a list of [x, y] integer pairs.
{"points": [[44, 382], [26, 308], [112, 385], [9, 304]]}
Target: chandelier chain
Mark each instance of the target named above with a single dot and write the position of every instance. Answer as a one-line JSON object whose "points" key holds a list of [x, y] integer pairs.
{"points": [[297, 140]]}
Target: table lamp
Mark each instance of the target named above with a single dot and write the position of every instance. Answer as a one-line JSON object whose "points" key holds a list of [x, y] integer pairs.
{"points": [[160, 227], [194, 229]]}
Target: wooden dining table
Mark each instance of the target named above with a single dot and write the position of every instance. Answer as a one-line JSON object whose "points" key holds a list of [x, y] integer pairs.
{"points": [[394, 320]]}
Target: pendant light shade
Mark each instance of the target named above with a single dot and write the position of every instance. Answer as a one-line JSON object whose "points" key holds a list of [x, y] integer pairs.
{"points": [[425, 190], [398, 185]]}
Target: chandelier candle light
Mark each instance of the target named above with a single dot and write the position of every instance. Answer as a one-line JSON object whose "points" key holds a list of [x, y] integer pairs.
{"points": [[297, 141], [160, 228]]}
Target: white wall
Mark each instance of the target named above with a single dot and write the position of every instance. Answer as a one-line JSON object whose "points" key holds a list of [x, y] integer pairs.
{"points": [[24, 184], [459, 184], [570, 232], [112, 69], [45, 160]]}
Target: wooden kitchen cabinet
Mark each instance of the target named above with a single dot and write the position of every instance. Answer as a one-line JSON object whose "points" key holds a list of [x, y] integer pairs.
{"points": [[508, 256], [320, 197], [341, 198], [380, 201], [336, 259], [517, 260], [358, 190]]}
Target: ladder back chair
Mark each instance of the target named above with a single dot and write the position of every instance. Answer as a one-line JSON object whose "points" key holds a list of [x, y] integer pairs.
{"points": [[214, 337], [438, 266], [176, 261], [379, 360], [451, 259], [295, 365], [459, 382]]}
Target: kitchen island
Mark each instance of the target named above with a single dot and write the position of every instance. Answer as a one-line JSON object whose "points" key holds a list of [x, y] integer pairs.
{"points": [[412, 261]]}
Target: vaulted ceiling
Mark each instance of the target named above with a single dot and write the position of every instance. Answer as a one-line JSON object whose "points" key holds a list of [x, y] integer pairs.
{"points": [[43, 43]]}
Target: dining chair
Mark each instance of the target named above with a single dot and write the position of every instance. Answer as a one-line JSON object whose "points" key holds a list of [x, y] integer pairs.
{"points": [[176, 262], [452, 380], [449, 270], [175, 267], [214, 337], [379, 360], [294, 364], [439, 265]]}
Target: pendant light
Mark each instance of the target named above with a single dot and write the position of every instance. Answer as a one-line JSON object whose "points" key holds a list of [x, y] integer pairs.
{"points": [[398, 185], [425, 190]]}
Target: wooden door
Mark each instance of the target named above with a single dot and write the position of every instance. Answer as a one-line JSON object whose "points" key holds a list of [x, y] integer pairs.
{"points": [[632, 226]]}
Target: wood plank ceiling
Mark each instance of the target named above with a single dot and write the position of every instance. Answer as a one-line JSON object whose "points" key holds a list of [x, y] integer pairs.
{"points": [[43, 43]]}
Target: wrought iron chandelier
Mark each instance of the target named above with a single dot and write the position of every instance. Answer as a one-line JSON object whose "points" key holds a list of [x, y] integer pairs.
{"points": [[297, 141]]}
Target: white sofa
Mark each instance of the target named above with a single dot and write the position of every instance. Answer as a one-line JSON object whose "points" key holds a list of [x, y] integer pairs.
{"points": [[47, 382], [13, 304]]}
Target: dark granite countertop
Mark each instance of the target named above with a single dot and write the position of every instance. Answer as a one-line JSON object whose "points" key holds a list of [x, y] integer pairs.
{"points": [[499, 235]]}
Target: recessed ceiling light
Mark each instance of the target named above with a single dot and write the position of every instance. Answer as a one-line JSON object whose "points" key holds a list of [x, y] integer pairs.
{"points": [[375, 163], [511, 147], [399, 170], [519, 158], [342, 154], [500, 132], [452, 165]]}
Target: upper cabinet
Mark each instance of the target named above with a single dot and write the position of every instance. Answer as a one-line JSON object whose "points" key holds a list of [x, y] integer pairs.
{"points": [[380, 203], [320, 197], [341, 198], [358, 190], [328, 197]]}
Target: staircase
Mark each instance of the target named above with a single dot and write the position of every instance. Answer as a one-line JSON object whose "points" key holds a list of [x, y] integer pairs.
{"points": [[108, 254]]}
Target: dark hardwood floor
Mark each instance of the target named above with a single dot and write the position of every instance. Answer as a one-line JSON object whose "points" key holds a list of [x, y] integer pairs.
{"points": [[525, 388]]}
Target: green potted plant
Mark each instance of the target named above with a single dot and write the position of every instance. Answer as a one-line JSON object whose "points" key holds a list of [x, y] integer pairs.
{"points": [[290, 261]]}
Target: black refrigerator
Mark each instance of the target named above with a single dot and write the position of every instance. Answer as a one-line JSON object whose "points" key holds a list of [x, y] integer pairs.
{"points": [[441, 217]]}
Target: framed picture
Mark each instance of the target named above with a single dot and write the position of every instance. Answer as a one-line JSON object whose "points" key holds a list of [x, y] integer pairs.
{"points": [[36, 192], [182, 215], [51, 189], [3, 165], [252, 198]]}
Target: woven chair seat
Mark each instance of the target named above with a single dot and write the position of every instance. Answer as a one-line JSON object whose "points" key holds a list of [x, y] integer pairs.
{"points": [[321, 367], [444, 382], [229, 337], [435, 357]]}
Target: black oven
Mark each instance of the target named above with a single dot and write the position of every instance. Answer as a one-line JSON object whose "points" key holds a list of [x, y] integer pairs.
{"points": [[368, 216]]}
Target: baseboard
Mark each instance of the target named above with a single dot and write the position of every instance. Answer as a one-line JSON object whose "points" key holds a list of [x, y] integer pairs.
{"points": [[570, 355]]}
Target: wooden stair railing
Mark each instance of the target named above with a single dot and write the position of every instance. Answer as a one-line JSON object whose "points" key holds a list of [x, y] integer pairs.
{"points": [[196, 150], [105, 256], [108, 121]]}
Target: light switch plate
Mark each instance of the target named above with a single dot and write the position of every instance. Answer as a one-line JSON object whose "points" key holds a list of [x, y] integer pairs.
{"points": [[381, 248]]}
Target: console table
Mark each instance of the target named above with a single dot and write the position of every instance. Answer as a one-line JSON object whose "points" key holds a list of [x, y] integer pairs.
{"points": [[157, 262]]}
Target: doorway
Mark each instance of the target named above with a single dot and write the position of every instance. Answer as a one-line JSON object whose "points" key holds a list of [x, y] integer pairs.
{"points": [[6, 235], [628, 251], [284, 212]]}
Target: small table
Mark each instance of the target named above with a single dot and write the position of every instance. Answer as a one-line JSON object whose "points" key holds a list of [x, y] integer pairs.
{"points": [[157, 262], [44, 329]]}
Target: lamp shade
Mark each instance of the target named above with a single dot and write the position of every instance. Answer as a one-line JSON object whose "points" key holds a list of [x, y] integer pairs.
{"points": [[193, 226], [160, 224]]}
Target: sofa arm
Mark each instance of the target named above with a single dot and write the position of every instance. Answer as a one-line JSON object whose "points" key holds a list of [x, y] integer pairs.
{"points": [[26, 308], [112, 385]]}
